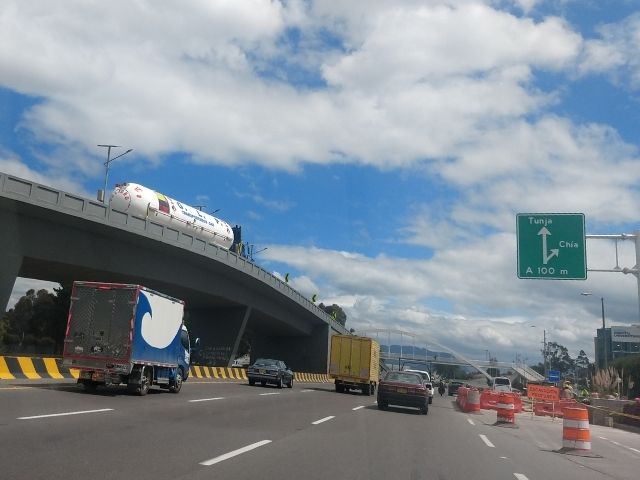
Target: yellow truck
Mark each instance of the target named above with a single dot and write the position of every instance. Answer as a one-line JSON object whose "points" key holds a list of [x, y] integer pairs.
{"points": [[355, 363]]}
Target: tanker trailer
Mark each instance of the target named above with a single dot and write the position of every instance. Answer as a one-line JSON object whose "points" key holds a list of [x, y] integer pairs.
{"points": [[143, 202]]}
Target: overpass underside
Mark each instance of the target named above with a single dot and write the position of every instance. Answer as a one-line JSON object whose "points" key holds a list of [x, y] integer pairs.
{"points": [[227, 298]]}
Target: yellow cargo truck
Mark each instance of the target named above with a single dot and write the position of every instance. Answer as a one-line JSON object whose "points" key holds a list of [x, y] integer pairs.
{"points": [[355, 363]]}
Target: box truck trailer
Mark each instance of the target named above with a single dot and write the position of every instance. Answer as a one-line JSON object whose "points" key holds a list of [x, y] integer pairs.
{"points": [[126, 334], [354, 363]]}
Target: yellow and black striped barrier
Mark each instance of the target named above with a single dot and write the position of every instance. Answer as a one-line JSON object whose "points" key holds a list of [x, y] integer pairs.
{"points": [[34, 368]]}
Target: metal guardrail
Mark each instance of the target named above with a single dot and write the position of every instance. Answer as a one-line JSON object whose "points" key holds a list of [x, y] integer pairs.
{"points": [[50, 198]]}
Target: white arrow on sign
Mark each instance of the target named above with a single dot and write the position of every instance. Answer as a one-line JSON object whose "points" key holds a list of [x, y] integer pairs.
{"points": [[554, 251]]}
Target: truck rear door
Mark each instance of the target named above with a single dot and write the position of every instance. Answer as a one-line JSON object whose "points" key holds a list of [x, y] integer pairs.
{"points": [[100, 323]]}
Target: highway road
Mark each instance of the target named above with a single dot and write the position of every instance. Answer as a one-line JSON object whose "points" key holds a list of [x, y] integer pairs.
{"points": [[53, 430]]}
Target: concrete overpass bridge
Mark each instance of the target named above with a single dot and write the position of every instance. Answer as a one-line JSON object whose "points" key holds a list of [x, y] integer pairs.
{"points": [[49, 234]]}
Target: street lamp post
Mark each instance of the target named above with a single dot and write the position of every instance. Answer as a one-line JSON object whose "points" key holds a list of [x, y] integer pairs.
{"points": [[106, 168], [604, 332], [544, 351]]}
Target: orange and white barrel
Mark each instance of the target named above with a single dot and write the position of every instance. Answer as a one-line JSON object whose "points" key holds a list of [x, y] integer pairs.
{"points": [[473, 400], [505, 409], [575, 429]]}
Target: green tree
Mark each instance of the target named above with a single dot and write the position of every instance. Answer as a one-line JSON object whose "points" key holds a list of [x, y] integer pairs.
{"points": [[336, 312], [558, 358]]}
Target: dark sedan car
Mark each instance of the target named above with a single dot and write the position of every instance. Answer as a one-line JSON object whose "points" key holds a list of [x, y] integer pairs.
{"points": [[404, 389], [453, 387], [268, 370]]}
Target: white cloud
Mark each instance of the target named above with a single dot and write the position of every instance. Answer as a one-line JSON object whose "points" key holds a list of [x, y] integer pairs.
{"points": [[616, 51], [452, 69]]}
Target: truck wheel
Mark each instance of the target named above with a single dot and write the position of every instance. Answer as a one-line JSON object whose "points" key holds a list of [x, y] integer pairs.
{"points": [[339, 388], [252, 382], [366, 389], [290, 384], [89, 386], [176, 385], [424, 409], [145, 382], [382, 405]]}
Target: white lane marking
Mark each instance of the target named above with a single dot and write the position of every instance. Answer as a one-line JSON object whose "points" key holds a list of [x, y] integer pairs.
{"points": [[234, 453], [358, 408], [470, 421], [322, 420], [620, 444], [206, 399], [505, 458], [271, 393], [487, 441], [66, 413], [520, 476], [305, 391]]}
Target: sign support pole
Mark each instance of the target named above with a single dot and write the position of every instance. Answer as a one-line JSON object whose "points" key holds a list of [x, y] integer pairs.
{"points": [[635, 270]]}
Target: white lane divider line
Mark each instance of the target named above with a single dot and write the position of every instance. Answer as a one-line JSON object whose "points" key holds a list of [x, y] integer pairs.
{"points": [[487, 441], [520, 476], [65, 414], [206, 399], [322, 420], [234, 453], [618, 444], [470, 421], [358, 408], [270, 393], [306, 391]]}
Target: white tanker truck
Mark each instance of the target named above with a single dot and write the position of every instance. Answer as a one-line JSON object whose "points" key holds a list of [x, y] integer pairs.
{"points": [[142, 201]]}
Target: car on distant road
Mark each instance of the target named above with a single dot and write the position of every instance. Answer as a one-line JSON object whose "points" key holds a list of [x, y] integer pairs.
{"points": [[268, 370], [426, 379], [405, 389], [501, 384], [453, 387]]}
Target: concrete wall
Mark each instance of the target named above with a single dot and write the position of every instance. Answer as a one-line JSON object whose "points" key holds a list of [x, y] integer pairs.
{"points": [[302, 354]]}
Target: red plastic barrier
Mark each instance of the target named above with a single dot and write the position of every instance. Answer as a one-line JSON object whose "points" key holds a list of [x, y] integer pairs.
{"points": [[462, 398], [473, 401]]}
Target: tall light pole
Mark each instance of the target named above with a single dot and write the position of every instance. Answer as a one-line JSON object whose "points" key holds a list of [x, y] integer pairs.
{"points": [[106, 167], [604, 332], [544, 351]]}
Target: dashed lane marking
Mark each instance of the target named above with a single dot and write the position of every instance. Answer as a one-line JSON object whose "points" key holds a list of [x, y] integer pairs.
{"points": [[487, 441], [325, 419], [306, 391], [234, 453], [520, 476], [206, 399], [270, 393], [470, 421], [358, 408], [65, 414]]}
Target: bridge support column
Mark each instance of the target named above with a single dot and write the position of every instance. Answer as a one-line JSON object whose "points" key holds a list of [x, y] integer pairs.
{"points": [[8, 273], [10, 257], [300, 353], [220, 331]]}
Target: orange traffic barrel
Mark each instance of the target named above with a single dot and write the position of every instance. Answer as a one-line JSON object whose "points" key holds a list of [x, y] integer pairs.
{"points": [[505, 409], [575, 429], [473, 400]]}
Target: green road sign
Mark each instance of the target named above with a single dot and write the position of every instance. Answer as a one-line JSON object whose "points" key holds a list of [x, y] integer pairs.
{"points": [[551, 246]]}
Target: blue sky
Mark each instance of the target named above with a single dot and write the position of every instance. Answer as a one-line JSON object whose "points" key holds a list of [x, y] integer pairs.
{"points": [[379, 151]]}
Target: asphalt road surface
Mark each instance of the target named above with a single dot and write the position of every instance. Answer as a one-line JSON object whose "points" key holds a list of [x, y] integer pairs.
{"points": [[54, 430]]}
